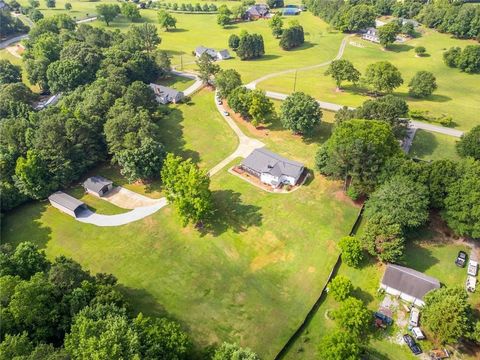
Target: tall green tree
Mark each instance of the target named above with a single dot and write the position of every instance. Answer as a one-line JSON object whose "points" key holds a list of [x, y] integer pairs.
{"points": [[462, 204], [143, 37], [402, 200], [9, 73], [130, 11], [469, 144], [339, 345], [300, 113], [352, 252], [32, 177], [250, 46], [423, 84], [384, 238], [358, 148], [447, 315], [261, 107], [228, 351], [226, 81], [107, 12], [342, 70], [187, 187], [166, 20], [340, 287], [292, 37], [207, 67], [382, 76], [353, 316], [387, 34], [276, 24]]}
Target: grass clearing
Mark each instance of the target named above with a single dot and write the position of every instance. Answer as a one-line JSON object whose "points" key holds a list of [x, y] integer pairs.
{"points": [[457, 93], [433, 146]]}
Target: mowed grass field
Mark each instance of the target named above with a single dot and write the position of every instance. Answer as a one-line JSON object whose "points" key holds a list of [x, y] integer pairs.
{"points": [[250, 280], [433, 146], [458, 93]]}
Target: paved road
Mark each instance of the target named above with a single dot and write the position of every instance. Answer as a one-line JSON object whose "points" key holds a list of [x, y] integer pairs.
{"points": [[197, 85], [245, 144], [437, 129]]}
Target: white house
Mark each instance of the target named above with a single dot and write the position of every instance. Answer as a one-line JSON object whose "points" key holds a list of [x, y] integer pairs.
{"points": [[214, 54], [408, 284], [66, 203], [371, 35], [165, 95], [271, 168]]}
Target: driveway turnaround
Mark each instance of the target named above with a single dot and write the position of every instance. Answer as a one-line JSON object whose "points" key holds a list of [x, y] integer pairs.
{"points": [[89, 217], [128, 199], [192, 89]]}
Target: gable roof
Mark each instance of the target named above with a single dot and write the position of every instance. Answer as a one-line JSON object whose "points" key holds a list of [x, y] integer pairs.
{"points": [[165, 92], [96, 183], [409, 281], [258, 10], [65, 200], [264, 161], [199, 50], [224, 53]]}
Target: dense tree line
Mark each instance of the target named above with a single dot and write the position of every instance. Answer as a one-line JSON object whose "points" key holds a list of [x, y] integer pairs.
{"points": [[457, 18], [106, 108], [467, 60], [253, 105], [59, 310]]}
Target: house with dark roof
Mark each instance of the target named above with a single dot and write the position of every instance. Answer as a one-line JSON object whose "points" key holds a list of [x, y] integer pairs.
{"points": [[4, 6], [257, 11], [272, 169], [67, 204], [97, 185], [408, 284], [289, 11], [165, 95], [371, 34]]}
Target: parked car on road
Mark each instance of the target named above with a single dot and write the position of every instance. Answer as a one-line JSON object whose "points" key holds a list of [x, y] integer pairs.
{"points": [[461, 259], [412, 344]]}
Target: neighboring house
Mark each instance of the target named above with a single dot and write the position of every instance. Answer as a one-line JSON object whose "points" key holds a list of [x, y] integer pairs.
{"points": [[66, 203], [257, 11], [97, 185], [200, 50], [371, 34], [410, 285], [165, 95], [52, 100], [289, 11], [214, 54], [4, 6], [410, 21], [271, 168]]}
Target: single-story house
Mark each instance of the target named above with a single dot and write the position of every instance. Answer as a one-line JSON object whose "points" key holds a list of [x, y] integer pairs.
{"points": [[97, 185], [52, 100], [289, 11], [410, 285], [271, 168], [200, 50], [257, 11], [66, 203], [371, 34], [214, 54], [165, 95]]}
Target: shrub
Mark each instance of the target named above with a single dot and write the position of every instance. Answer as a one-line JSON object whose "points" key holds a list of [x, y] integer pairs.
{"points": [[420, 50], [352, 252], [340, 287]]}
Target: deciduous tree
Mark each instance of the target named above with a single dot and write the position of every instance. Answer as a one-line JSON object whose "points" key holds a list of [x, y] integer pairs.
{"points": [[276, 24], [130, 11], [387, 34], [339, 345], [469, 144], [382, 76], [352, 252], [166, 20], [207, 67], [108, 12], [229, 351], [340, 287], [353, 316], [226, 81], [300, 113], [423, 84], [9, 73], [342, 70], [384, 238]]}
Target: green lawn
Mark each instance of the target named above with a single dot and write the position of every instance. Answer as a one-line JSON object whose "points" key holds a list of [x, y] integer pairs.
{"points": [[179, 83], [456, 95], [94, 203], [433, 146]]}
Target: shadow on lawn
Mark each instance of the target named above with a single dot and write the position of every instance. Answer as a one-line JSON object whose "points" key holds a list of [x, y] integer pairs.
{"points": [[24, 224], [232, 214], [419, 258], [172, 136], [424, 144]]}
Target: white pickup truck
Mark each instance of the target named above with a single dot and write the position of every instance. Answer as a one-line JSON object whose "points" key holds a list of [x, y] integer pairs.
{"points": [[472, 268]]}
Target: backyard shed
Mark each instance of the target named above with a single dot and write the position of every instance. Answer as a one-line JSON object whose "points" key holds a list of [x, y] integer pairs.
{"points": [[66, 203], [97, 185], [410, 285]]}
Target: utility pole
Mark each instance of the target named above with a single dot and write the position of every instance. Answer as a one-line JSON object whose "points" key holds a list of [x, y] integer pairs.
{"points": [[295, 81], [181, 62]]}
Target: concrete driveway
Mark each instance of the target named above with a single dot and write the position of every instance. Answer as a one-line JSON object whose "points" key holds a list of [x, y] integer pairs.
{"points": [[128, 199], [89, 217]]}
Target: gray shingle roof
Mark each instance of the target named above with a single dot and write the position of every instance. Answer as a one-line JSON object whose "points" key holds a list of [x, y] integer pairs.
{"points": [[224, 53], [166, 93], [67, 201], [264, 161], [409, 281], [96, 183]]}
